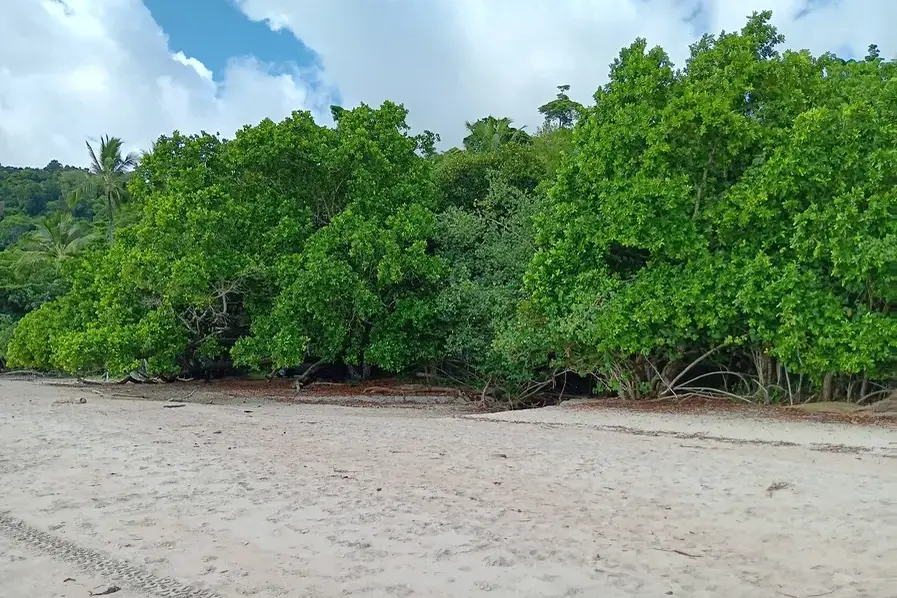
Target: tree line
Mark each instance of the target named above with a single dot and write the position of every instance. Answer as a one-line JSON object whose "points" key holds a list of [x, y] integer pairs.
{"points": [[726, 227], [49, 215]]}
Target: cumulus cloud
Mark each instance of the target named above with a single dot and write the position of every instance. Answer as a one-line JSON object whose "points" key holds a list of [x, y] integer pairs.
{"points": [[84, 68], [79, 69], [456, 60]]}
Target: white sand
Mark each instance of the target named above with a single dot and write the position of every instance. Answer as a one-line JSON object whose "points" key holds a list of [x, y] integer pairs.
{"points": [[334, 501], [728, 428]]}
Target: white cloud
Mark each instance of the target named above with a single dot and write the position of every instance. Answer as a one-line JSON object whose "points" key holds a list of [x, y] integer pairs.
{"points": [[195, 64], [104, 66], [85, 68], [455, 60]]}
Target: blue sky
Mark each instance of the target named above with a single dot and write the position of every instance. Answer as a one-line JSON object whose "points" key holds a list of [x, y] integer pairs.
{"points": [[216, 31]]}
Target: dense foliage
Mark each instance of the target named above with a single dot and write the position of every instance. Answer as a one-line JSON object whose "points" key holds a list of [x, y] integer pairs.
{"points": [[747, 206], [726, 227], [46, 216]]}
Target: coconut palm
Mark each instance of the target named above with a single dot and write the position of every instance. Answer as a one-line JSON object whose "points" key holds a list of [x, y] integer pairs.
{"points": [[55, 239], [74, 198], [110, 171]]}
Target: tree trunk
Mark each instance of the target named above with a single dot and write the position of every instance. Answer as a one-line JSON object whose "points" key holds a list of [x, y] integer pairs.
{"points": [[307, 374], [828, 388], [109, 208], [864, 388], [669, 373]]}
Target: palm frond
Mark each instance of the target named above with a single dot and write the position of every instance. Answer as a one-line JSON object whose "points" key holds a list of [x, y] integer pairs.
{"points": [[55, 238], [131, 160], [95, 165], [32, 258]]}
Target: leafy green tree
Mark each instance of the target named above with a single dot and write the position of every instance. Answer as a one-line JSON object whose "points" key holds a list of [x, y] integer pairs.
{"points": [[65, 333], [7, 325], [35, 192], [462, 177], [487, 248], [642, 264], [362, 289], [215, 217], [12, 228], [561, 112], [873, 54]]}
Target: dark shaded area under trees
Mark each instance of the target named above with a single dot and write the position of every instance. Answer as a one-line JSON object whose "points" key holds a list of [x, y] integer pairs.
{"points": [[727, 227]]}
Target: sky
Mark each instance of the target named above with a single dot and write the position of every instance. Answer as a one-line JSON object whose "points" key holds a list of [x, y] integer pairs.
{"points": [[74, 70]]}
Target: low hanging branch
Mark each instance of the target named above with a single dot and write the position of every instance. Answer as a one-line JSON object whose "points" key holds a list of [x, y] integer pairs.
{"points": [[307, 374]]}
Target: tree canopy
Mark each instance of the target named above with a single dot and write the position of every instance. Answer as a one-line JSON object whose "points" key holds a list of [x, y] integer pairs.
{"points": [[728, 226]]}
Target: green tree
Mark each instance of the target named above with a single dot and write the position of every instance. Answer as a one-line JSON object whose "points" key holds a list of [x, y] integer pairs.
{"points": [[7, 326], [55, 239], [642, 264], [489, 134], [109, 168], [13, 227], [360, 290], [561, 112], [487, 247], [873, 54]]}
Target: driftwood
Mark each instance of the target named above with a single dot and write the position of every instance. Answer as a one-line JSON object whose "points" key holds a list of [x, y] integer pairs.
{"points": [[404, 389], [888, 405], [382, 390], [425, 388], [23, 373], [132, 377]]}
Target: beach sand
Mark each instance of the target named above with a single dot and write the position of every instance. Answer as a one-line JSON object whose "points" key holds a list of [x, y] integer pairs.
{"points": [[270, 499]]}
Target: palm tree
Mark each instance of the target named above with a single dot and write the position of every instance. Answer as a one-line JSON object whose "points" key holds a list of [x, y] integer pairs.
{"points": [[490, 133], [110, 171], [74, 199], [55, 239]]}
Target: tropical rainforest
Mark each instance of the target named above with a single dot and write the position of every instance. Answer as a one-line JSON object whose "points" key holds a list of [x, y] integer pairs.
{"points": [[723, 227]]}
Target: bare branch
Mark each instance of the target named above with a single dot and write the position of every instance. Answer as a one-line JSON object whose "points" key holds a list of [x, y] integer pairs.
{"points": [[695, 362]]}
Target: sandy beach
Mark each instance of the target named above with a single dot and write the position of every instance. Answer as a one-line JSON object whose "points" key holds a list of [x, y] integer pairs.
{"points": [[269, 500]]}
